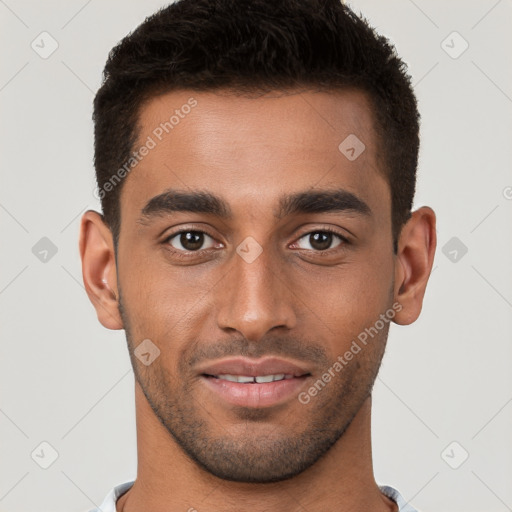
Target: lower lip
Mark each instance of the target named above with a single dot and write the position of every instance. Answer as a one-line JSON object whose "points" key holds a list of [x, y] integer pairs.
{"points": [[253, 394]]}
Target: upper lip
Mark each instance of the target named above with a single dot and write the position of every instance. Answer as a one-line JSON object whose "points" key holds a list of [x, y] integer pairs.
{"points": [[253, 367]]}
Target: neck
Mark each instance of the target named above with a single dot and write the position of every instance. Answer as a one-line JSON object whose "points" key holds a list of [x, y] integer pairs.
{"points": [[167, 480]]}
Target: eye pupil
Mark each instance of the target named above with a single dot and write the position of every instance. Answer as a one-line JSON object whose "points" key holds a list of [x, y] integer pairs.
{"points": [[192, 240], [320, 240]]}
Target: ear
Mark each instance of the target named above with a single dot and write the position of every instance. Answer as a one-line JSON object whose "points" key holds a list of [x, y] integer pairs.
{"points": [[414, 260], [99, 268]]}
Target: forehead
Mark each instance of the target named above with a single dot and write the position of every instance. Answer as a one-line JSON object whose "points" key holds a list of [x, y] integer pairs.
{"points": [[255, 148]]}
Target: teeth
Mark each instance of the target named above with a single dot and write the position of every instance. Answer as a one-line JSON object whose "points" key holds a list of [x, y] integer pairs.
{"points": [[270, 378], [247, 379], [242, 378]]}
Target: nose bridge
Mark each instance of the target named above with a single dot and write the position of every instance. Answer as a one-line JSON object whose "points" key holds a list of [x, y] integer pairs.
{"points": [[255, 300]]}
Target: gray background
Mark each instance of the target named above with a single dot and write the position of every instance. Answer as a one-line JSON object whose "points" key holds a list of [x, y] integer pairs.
{"points": [[67, 381]]}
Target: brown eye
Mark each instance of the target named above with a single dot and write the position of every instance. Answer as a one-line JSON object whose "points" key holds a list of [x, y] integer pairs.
{"points": [[189, 240], [321, 240]]}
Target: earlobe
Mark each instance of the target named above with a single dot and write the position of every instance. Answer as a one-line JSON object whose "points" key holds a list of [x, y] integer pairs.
{"points": [[414, 260], [99, 269]]}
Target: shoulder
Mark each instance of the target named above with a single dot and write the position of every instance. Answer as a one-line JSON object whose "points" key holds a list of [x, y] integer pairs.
{"points": [[109, 503], [392, 493]]}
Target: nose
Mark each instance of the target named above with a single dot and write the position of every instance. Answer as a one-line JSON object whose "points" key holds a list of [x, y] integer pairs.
{"points": [[256, 297]]}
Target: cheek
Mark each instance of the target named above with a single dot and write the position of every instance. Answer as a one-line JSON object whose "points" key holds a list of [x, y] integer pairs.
{"points": [[165, 308], [153, 287], [353, 299]]}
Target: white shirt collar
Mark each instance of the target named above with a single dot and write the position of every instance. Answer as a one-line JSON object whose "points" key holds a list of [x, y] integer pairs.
{"points": [[109, 503]]}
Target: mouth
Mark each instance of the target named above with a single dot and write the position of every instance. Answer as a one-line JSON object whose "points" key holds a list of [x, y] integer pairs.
{"points": [[244, 370], [255, 383], [255, 392], [258, 379]]}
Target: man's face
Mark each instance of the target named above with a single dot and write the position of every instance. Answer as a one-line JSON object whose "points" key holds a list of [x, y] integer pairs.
{"points": [[264, 280]]}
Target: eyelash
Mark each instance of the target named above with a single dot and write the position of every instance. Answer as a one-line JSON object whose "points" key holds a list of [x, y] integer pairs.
{"points": [[327, 252], [190, 254]]}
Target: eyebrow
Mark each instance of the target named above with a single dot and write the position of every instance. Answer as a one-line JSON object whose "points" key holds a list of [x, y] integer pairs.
{"points": [[179, 201], [311, 201], [321, 201]]}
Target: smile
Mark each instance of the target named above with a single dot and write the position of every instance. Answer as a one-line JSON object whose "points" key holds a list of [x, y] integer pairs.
{"points": [[255, 391], [247, 379]]}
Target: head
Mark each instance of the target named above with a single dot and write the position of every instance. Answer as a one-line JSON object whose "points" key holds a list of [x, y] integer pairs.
{"points": [[251, 48], [269, 214]]}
